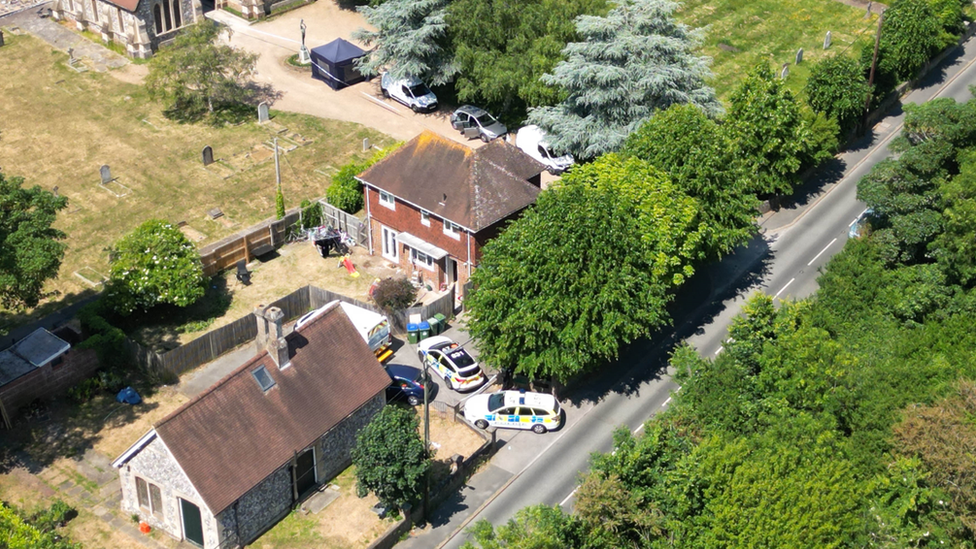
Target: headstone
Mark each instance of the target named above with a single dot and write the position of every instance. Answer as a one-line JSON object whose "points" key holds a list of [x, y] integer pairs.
{"points": [[71, 55], [56, 190], [799, 56], [263, 115], [365, 144], [868, 14], [1, 37], [106, 174], [785, 72], [207, 155], [827, 40]]}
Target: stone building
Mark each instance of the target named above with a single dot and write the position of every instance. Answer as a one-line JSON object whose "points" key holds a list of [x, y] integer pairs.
{"points": [[139, 25], [234, 460]]}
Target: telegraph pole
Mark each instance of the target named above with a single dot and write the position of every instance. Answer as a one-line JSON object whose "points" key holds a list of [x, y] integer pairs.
{"points": [[874, 64]]}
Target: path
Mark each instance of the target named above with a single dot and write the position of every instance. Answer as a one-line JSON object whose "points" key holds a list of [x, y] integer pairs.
{"points": [[95, 56]]}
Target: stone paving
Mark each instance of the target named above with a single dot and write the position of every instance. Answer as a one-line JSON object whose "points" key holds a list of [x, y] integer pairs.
{"points": [[36, 22], [95, 487]]}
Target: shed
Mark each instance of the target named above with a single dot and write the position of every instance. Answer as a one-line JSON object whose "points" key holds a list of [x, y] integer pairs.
{"points": [[333, 63]]}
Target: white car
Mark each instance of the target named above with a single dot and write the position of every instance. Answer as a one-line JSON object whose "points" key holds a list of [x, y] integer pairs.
{"points": [[451, 362], [410, 91], [532, 141], [514, 410]]}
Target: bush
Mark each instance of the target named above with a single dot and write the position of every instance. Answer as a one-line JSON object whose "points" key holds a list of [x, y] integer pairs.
{"points": [[345, 192], [154, 264], [837, 88], [311, 214], [389, 457], [394, 294], [911, 34]]}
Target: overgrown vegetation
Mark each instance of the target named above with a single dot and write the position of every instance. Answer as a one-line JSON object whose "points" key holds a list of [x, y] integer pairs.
{"points": [[346, 192], [394, 294], [390, 458], [38, 530]]}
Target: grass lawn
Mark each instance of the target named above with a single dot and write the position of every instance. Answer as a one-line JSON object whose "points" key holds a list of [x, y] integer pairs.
{"points": [[743, 33], [57, 127]]}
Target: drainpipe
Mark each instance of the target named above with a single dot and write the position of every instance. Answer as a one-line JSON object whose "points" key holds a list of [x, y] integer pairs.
{"points": [[369, 220], [469, 255]]}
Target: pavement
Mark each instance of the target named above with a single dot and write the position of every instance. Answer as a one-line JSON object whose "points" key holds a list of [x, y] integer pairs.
{"points": [[36, 22]]}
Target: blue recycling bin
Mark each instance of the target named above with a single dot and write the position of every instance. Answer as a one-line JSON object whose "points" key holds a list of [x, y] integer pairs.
{"points": [[413, 331]]}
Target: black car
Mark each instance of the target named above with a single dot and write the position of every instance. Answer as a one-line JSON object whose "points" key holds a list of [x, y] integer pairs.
{"points": [[407, 383]]}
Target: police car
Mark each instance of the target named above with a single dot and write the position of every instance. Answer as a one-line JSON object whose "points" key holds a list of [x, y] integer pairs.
{"points": [[514, 410], [451, 362]]}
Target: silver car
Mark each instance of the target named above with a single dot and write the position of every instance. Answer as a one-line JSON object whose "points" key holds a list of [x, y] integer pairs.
{"points": [[473, 122]]}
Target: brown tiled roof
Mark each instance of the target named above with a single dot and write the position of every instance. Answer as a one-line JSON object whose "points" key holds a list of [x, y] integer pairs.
{"points": [[232, 436], [482, 186], [128, 5]]}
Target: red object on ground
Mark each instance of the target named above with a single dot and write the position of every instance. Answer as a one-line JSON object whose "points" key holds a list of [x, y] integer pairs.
{"points": [[144, 528], [349, 266]]}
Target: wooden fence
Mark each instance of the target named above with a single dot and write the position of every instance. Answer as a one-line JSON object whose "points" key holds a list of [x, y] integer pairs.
{"points": [[357, 228], [259, 239]]}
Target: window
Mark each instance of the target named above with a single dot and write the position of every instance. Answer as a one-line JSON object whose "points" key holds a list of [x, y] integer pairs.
{"points": [[158, 18], [150, 497], [420, 258], [177, 16], [167, 16], [390, 245], [452, 229], [387, 200], [263, 378], [425, 217]]}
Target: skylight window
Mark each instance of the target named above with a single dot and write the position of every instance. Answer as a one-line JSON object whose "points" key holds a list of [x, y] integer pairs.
{"points": [[263, 378]]}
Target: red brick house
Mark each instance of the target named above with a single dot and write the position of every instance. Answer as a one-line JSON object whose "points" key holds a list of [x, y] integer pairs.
{"points": [[433, 203]]}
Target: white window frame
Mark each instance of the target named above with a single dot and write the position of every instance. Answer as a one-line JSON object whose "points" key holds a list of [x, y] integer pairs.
{"points": [[386, 233], [452, 230], [428, 262], [424, 217], [387, 199]]}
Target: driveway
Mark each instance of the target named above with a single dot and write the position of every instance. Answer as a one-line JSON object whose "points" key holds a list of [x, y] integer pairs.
{"points": [[276, 40]]}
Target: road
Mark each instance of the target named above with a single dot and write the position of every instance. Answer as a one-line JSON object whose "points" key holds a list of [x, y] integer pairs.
{"points": [[783, 261]]}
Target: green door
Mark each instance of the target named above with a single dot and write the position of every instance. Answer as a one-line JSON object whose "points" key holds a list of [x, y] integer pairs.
{"points": [[305, 472], [192, 523]]}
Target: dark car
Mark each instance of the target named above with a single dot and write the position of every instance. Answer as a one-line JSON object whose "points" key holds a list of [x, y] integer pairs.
{"points": [[407, 383]]}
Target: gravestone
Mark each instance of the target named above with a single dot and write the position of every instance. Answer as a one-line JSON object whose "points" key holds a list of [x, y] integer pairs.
{"points": [[263, 115], [365, 144], [827, 40], [785, 72], [1, 37], [799, 56], [106, 174], [71, 55], [868, 14], [207, 155], [56, 190]]}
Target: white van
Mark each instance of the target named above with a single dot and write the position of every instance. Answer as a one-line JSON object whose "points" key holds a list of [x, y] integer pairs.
{"points": [[532, 141], [374, 327]]}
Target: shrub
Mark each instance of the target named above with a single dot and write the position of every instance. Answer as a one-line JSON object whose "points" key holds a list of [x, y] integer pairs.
{"points": [[394, 294], [389, 457], [837, 88], [911, 34], [311, 214], [345, 192]]}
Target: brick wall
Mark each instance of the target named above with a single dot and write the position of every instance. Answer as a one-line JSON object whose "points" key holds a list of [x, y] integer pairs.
{"points": [[49, 381]]}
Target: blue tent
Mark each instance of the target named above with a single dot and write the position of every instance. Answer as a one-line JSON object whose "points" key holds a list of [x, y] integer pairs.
{"points": [[333, 63]]}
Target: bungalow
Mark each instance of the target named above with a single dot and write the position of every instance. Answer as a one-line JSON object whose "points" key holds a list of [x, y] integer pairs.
{"points": [[234, 460], [433, 203]]}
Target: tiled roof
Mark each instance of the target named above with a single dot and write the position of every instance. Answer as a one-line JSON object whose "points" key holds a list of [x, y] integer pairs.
{"points": [[128, 5], [474, 188], [232, 436]]}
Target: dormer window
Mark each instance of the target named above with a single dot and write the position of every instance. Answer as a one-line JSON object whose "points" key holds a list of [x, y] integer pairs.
{"points": [[387, 200]]}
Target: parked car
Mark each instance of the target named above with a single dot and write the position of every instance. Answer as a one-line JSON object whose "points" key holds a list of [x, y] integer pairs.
{"points": [[473, 122], [373, 327], [408, 383], [410, 91], [857, 226], [514, 410], [451, 362], [532, 141]]}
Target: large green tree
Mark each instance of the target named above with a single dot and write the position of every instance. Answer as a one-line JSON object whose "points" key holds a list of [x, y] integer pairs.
{"points": [[628, 65], [588, 268], [692, 149], [196, 75], [837, 87], [910, 35], [410, 40], [31, 249], [152, 265], [390, 459], [503, 48]]}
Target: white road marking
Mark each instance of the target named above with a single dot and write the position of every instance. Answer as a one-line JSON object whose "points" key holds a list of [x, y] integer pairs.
{"points": [[380, 103], [822, 251], [639, 429], [666, 402], [720, 347], [783, 288], [571, 494], [858, 217]]}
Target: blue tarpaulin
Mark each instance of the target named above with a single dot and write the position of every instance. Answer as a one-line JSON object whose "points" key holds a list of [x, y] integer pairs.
{"points": [[128, 396]]}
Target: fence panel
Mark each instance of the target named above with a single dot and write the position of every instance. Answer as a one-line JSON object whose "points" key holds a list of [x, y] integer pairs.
{"points": [[294, 304], [339, 219], [188, 356], [236, 333]]}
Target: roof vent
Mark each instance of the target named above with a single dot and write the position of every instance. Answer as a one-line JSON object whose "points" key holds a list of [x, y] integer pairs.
{"points": [[443, 200], [263, 378]]}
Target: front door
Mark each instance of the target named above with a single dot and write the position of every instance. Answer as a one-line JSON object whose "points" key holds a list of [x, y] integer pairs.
{"points": [[390, 245], [451, 270], [192, 523], [305, 472]]}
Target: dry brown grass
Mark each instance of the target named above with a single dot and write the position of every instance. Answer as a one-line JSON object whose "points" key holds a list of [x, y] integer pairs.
{"points": [[57, 127]]}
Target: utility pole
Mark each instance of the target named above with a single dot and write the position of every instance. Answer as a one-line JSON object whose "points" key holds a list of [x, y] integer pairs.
{"points": [[874, 64], [278, 169], [426, 436]]}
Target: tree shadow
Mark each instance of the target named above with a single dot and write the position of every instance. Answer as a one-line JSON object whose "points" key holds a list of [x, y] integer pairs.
{"points": [[160, 328], [699, 302], [52, 314]]}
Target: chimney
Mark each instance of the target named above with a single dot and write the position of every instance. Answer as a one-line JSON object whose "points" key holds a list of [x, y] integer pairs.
{"points": [[270, 334]]}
